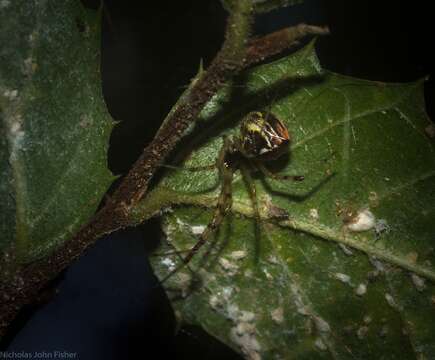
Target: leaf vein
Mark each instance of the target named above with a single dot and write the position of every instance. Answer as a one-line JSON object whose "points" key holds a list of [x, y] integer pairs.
{"points": [[345, 119]]}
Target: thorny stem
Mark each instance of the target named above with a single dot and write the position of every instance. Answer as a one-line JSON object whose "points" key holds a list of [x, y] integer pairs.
{"points": [[227, 62], [23, 286]]}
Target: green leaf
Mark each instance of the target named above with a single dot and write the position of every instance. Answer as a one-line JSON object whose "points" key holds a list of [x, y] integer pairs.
{"points": [[54, 126], [310, 286]]}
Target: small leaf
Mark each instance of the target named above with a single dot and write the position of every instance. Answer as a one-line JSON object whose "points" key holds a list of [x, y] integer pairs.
{"points": [[53, 122], [349, 274]]}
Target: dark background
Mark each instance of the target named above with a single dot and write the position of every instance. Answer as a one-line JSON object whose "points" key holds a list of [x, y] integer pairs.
{"points": [[108, 304]]}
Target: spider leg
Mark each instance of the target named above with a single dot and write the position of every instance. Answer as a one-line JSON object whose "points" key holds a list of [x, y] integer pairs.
{"points": [[179, 253], [224, 204], [170, 253], [269, 173], [252, 189]]}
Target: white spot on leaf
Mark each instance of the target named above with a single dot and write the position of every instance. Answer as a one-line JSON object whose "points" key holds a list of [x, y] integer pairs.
{"points": [[343, 278], [228, 266], [379, 266], [227, 292], [367, 319], [314, 214], [247, 343], [197, 229], [363, 221], [391, 301], [10, 94], [418, 282], [362, 332], [4, 4], [321, 324], [215, 302], [169, 263], [246, 316], [320, 344], [277, 315], [29, 66], [268, 274], [184, 282], [15, 128], [238, 255], [347, 251], [373, 198], [361, 289]]}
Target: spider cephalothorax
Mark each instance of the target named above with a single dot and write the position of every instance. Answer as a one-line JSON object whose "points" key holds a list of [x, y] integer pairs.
{"points": [[263, 135]]}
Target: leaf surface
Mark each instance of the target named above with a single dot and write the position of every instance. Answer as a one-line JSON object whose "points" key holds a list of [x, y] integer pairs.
{"points": [[306, 286], [53, 122]]}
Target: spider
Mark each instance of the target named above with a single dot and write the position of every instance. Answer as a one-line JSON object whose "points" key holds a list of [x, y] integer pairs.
{"points": [[262, 137]]}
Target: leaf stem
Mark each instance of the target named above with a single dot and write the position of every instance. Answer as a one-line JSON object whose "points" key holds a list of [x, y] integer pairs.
{"points": [[161, 198], [279, 41]]}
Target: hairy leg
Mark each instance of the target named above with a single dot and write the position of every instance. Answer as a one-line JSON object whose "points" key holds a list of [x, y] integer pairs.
{"points": [[224, 204], [252, 189]]}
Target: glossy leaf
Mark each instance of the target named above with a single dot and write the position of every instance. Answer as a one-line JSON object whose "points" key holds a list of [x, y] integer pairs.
{"points": [[343, 266], [54, 125]]}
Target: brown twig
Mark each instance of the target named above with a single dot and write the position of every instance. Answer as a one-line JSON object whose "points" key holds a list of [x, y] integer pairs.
{"points": [[279, 41], [23, 286]]}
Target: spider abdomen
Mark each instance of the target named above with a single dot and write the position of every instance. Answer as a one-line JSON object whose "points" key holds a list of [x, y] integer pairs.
{"points": [[263, 135]]}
